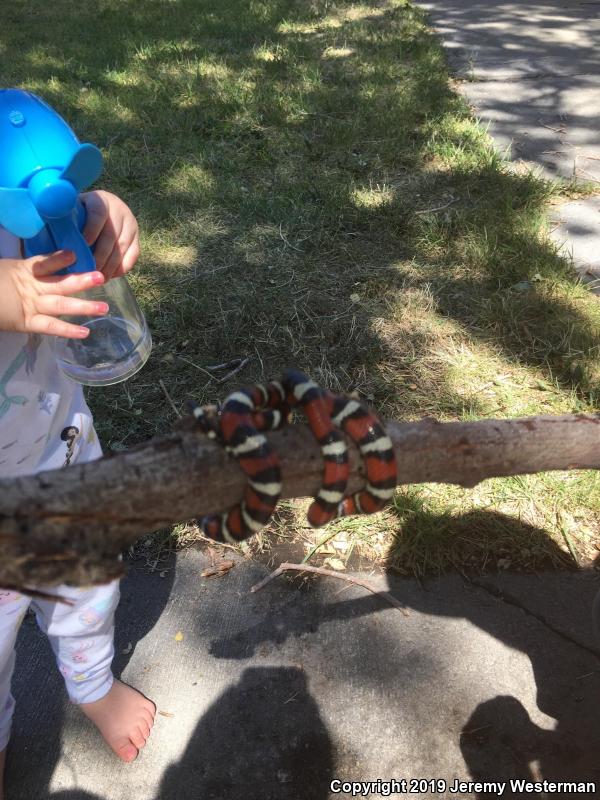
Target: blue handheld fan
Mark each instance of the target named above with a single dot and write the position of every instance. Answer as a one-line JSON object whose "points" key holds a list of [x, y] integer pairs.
{"points": [[43, 168]]}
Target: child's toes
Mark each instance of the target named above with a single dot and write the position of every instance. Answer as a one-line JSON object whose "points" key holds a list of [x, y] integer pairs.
{"points": [[147, 718], [137, 737], [125, 750], [150, 707], [145, 729]]}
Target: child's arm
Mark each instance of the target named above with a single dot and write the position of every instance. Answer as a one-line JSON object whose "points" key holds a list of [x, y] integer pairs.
{"points": [[32, 297], [114, 230]]}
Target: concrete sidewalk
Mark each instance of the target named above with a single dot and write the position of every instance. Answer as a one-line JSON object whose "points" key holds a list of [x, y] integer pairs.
{"points": [[531, 71], [273, 695]]}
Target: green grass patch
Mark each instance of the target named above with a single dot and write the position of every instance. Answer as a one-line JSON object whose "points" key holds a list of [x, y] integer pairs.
{"points": [[311, 192]]}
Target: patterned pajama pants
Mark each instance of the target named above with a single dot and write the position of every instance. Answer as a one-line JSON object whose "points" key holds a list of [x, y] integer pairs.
{"points": [[81, 637]]}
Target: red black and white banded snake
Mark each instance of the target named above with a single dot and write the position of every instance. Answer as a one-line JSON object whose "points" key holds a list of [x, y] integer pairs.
{"points": [[251, 410]]}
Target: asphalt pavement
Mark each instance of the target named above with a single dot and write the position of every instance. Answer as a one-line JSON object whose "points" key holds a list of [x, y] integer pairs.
{"points": [[531, 72], [278, 694]]}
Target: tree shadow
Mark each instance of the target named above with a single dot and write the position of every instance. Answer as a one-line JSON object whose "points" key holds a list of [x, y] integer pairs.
{"points": [[253, 204]]}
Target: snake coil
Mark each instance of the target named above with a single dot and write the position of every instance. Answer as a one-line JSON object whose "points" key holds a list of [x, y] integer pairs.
{"points": [[251, 410]]}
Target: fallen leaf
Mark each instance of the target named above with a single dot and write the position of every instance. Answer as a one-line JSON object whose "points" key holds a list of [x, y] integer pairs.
{"points": [[336, 564], [166, 714], [217, 570], [179, 636]]}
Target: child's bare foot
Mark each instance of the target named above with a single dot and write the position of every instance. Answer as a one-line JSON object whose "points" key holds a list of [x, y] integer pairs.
{"points": [[124, 717], [2, 760]]}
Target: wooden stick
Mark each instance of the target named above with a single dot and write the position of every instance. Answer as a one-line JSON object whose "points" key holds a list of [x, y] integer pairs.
{"points": [[330, 574], [95, 511]]}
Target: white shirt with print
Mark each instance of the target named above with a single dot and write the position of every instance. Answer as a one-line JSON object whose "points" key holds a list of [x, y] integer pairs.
{"points": [[44, 420]]}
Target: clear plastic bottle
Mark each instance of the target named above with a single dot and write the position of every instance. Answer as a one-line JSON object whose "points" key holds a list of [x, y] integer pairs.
{"points": [[43, 171], [119, 342]]}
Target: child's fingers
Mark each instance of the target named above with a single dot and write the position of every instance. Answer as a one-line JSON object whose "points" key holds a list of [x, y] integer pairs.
{"points": [[131, 255], [52, 326], [107, 241], [58, 306], [112, 265], [71, 284], [42, 266], [125, 251], [97, 214]]}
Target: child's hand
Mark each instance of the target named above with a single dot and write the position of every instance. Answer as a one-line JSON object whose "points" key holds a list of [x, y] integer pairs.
{"points": [[32, 297], [113, 228]]}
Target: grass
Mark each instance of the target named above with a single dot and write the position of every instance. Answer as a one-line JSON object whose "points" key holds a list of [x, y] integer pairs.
{"points": [[311, 192]]}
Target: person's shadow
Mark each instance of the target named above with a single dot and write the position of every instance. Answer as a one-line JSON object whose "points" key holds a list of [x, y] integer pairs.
{"points": [[262, 737], [498, 740], [265, 732]]}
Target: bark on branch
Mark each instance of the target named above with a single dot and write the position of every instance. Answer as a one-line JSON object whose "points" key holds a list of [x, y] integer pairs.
{"points": [[70, 525]]}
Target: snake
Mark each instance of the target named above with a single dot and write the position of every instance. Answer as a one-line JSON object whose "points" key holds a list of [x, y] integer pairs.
{"points": [[241, 420], [251, 410], [377, 451], [317, 407]]}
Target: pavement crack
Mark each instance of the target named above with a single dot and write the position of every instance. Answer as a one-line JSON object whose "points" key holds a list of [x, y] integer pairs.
{"points": [[505, 597]]}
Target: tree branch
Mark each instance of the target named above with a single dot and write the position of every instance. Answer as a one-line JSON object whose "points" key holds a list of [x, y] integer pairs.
{"points": [[71, 524]]}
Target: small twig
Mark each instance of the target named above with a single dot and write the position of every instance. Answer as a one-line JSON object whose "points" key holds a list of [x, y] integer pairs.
{"points": [[201, 369], [233, 372], [437, 208], [330, 574], [226, 365], [285, 240], [550, 128], [475, 730], [203, 538], [168, 396]]}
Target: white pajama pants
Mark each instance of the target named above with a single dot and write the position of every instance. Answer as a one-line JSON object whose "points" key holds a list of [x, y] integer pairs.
{"points": [[81, 635]]}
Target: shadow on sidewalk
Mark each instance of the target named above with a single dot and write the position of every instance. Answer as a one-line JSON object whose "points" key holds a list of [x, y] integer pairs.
{"points": [[263, 736], [499, 740]]}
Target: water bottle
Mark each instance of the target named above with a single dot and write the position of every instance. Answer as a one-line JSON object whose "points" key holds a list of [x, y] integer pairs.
{"points": [[43, 169]]}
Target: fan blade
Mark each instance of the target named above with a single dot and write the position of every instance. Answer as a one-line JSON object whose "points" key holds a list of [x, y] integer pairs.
{"points": [[18, 213], [84, 168]]}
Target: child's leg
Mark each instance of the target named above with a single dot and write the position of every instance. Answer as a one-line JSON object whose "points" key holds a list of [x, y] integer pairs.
{"points": [[82, 637], [13, 607]]}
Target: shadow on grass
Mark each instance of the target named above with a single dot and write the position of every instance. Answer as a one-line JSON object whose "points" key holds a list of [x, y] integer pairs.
{"points": [[480, 540], [276, 173]]}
